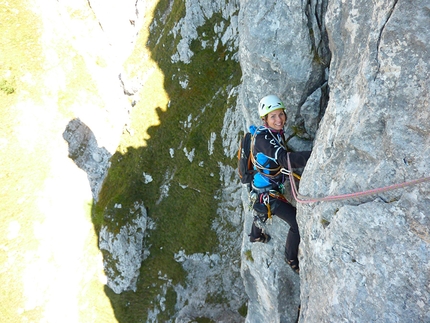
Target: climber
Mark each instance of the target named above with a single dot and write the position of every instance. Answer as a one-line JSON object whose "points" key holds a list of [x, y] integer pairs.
{"points": [[269, 154]]}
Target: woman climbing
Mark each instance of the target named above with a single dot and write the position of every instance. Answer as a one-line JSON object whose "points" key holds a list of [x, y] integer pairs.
{"points": [[269, 155]]}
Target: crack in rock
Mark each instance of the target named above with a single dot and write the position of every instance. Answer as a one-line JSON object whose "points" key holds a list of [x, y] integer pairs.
{"points": [[390, 13]]}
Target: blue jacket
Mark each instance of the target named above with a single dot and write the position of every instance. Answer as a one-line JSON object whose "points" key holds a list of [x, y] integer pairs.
{"points": [[270, 151]]}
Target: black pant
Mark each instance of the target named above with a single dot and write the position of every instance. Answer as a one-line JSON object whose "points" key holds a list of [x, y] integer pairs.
{"points": [[286, 212]]}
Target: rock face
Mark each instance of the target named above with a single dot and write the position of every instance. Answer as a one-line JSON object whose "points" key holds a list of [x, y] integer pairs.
{"points": [[197, 13], [368, 259], [85, 152], [281, 52], [123, 251], [361, 259]]}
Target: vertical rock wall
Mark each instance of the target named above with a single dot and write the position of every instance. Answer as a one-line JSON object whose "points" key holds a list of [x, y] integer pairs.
{"points": [[283, 50], [362, 259], [367, 259], [279, 53]]}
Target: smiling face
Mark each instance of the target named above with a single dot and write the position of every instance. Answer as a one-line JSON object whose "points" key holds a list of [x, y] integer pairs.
{"points": [[276, 119]]}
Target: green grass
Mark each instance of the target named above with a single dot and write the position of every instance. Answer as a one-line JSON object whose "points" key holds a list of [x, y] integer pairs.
{"points": [[243, 310], [183, 219], [325, 223], [7, 86], [24, 172], [18, 36], [218, 298], [248, 255]]}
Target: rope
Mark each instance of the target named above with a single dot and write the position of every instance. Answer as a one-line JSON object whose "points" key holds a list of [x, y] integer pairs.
{"points": [[304, 199]]}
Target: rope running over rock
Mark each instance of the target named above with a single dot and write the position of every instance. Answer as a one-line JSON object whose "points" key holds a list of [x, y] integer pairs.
{"points": [[304, 199]]}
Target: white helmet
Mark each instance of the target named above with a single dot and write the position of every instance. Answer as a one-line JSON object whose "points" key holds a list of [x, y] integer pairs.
{"points": [[268, 104]]}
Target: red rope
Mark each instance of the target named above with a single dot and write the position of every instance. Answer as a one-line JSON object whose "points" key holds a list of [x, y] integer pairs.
{"points": [[303, 199]]}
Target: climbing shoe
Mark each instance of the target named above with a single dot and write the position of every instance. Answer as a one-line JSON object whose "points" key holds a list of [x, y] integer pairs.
{"points": [[294, 264], [263, 238]]}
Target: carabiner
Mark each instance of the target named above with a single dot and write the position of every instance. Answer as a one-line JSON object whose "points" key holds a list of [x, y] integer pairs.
{"points": [[285, 171], [266, 198]]}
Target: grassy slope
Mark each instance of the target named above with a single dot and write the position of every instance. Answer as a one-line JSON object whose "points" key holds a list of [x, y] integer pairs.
{"points": [[28, 138], [183, 219], [19, 50]]}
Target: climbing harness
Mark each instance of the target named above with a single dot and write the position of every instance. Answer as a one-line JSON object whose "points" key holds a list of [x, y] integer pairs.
{"points": [[304, 200]]}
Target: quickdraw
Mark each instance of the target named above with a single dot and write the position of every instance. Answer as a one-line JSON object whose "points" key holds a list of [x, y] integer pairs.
{"points": [[289, 172], [252, 198], [266, 200], [277, 195]]}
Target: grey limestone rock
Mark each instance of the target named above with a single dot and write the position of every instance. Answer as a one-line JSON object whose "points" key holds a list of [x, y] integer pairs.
{"points": [[197, 14], [277, 54], [278, 49], [85, 152], [124, 251], [361, 259], [272, 287], [368, 259]]}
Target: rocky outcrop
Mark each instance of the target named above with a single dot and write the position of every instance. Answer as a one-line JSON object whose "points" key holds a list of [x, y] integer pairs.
{"points": [[123, 249], [85, 152], [122, 245], [198, 12], [368, 259]]}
